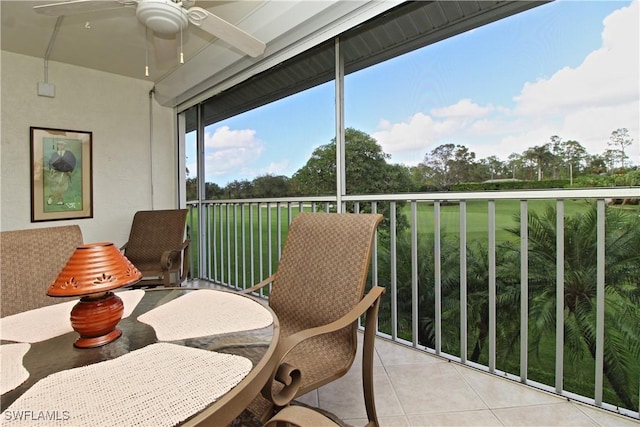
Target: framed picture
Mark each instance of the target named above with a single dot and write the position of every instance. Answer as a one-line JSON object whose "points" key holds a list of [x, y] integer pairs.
{"points": [[61, 174]]}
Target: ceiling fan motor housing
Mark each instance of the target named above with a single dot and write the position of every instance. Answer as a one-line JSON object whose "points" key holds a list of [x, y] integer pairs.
{"points": [[162, 16]]}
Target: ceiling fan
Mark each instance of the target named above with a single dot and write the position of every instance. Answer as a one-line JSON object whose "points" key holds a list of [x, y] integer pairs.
{"points": [[165, 17]]}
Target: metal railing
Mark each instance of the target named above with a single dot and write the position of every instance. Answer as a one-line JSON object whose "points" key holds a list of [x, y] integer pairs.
{"points": [[456, 267]]}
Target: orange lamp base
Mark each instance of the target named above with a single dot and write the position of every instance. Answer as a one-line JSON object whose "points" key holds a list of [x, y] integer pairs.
{"points": [[83, 342], [95, 318]]}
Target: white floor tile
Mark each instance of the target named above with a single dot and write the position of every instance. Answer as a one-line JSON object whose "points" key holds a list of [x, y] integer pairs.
{"points": [[483, 418], [500, 392], [432, 388], [557, 415]]}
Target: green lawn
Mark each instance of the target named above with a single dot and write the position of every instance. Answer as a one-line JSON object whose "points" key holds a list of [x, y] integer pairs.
{"points": [[477, 227], [478, 216]]}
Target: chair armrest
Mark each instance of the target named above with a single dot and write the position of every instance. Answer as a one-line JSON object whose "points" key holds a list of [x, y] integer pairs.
{"points": [[167, 256], [258, 286], [184, 245], [289, 375], [185, 258], [288, 343]]}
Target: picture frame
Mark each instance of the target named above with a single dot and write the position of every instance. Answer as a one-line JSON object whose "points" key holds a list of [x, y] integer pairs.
{"points": [[61, 174]]}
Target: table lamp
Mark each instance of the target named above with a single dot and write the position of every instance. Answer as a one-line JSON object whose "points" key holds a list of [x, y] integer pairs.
{"points": [[92, 272]]}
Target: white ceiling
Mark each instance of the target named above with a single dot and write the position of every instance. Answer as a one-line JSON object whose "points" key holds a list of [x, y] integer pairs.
{"points": [[108, 40], [115, 42]]}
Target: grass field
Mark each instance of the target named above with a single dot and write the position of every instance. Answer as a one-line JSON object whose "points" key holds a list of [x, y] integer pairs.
{"points": [[229, 226], [478, 216]]}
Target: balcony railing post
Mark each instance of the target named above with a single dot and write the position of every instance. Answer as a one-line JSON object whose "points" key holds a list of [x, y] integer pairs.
{"points": [[243, 245], [214, 230], [492, 284], [374, 258], [524, 290], [279, 227], [414, 273], [463, 281], [269, 240], [559, 295], [394, 272], [206, 211], [236, 268], [252, 247], [600, 292], [228, 238], [437, 255], [260, 248]]}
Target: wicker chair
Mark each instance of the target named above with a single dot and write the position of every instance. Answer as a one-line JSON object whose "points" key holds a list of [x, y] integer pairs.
{"points": [[317, 295], [29, 261], [157, 246]]}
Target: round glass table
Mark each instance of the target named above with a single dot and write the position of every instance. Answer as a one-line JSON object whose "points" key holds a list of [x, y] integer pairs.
{"points": [[56, 355]]}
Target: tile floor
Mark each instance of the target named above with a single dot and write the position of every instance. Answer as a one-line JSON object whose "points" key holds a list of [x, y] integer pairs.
{"points": [[414, 388]]}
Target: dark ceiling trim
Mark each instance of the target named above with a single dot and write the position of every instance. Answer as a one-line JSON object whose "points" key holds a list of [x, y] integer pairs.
{"points": [[415, 29], [400, 30]]}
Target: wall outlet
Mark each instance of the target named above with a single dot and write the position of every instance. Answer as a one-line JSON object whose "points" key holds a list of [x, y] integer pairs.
{"points": [[46, 89]]}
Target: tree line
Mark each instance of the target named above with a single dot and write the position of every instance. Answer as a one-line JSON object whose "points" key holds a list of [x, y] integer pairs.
{"points": [[368, 170]]}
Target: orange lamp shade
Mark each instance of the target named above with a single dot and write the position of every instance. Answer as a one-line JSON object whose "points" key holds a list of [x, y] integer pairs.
{"points": [[92, 272], [94, 268]]}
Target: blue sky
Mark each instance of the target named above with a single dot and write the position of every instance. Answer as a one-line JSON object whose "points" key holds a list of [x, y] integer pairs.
{"points": [[568, 68]]}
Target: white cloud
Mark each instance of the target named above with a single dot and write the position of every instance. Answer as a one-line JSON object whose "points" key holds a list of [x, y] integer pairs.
{"points": [[464, 109], [406, 136], [274, 168], [607, 76], [585, 103], [409, 141], [224, 138], [228, 151]]}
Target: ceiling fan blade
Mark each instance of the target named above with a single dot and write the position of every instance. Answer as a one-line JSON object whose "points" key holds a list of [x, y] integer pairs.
{"points": [[226, 31], [75, 7]]}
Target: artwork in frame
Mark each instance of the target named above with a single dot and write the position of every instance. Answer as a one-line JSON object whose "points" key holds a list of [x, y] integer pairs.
{"points": [[61, 174]]}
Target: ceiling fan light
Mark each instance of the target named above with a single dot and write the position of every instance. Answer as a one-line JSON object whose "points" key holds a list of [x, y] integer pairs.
{"points": [[162, 16]]}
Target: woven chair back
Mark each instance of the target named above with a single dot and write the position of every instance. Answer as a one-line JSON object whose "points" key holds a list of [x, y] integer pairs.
{"points": [[152, 233], [30, 260], [323, 269]]}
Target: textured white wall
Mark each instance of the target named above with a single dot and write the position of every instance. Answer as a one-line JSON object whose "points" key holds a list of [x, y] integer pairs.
{"points": [[130, 172]]}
